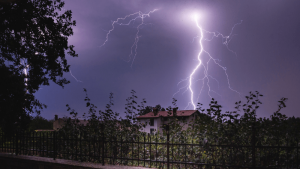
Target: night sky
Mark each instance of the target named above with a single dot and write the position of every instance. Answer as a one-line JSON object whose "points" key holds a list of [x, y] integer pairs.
{"points": [[266, 43]]}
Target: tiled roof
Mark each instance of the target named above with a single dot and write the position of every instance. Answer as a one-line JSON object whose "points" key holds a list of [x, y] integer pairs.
{"points": [[166, 113]]}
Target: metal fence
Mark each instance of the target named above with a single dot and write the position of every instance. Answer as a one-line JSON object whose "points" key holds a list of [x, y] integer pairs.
{"points": [[150, 151]]}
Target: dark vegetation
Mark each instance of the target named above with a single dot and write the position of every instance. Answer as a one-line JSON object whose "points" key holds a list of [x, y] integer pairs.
{"points": [[34, 36], [211, 127], [38, 122]]}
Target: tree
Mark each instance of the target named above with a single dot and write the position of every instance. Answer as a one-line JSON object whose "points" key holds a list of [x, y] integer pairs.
{"points": [[146, 110], [14, 101], [38, 122], [34, 38]]}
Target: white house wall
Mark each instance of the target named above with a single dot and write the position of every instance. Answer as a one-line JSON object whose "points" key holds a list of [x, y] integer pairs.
{"points": [[148, 127], [158, 123]]}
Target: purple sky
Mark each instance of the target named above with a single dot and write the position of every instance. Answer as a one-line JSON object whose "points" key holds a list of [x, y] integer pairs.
{"points": [[267, 44]]}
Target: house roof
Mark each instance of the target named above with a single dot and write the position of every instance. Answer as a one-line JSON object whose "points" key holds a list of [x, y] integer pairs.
{"points": [[166, 113], [38, 130]]}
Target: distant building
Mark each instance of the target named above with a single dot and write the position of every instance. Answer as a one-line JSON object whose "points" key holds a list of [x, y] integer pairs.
{"points": [[155, 120], [60, 122], [43, 130]]}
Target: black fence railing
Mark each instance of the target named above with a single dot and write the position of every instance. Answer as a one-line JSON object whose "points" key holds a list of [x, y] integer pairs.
{"points": [[151, 151]]}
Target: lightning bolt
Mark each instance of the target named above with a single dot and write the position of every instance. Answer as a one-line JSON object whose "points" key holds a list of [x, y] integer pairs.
{"points": [[74, 76], [134, 17], [190, 78], [25, 71]]}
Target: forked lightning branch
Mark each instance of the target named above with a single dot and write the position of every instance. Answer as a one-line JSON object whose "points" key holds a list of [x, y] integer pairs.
{"points": [[202, 53], [191, 86]]}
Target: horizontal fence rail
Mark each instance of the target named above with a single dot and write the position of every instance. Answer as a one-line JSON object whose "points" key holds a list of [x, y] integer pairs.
{"points": [[151, 151]]}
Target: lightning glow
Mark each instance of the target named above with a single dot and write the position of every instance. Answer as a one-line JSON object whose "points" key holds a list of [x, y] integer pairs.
{"points": [[190, 78], [137, 15], [74, 77], [25, 71]]}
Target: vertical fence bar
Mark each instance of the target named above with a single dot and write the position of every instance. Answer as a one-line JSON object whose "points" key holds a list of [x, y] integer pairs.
{"points": [[24, 142], [185, 142], [29, 142], [2, 140], [72, 146], [76, 147], [54, 146], [253, 145], [13, 143], [43, 144], [34, 141], [89, 140], [297, 153], [168, 139], [40, 144], [10, 144], [138, 151], [94, 148], [144, 151], [99, 147], [103, 140], [121, 152], [156, 153], [47, 145], [80, 151], [286, 150], [150, 149], [20, 146], [132, 151], [19, 143], [113, 149], [68, 146], [17, 151]]}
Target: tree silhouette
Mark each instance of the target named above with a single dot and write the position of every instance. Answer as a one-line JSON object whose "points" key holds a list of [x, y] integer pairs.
{"points": [[33, 35]]}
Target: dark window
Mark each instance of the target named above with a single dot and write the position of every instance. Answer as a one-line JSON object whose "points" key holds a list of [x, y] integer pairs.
{"points": [[182, 118], [165, 118], [151, 122], [151, 131]]}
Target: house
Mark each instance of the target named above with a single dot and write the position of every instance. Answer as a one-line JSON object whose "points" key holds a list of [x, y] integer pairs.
{"points": [[154, 120]]}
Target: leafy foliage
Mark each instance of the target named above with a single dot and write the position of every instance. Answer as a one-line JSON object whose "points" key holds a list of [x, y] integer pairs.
{"points": [[209, 130], [33, 37], [38, 122]]}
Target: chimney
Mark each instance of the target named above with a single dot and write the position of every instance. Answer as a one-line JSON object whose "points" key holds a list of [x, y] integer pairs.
{"points": [[155, 111], [56, 117], [175, 111]]}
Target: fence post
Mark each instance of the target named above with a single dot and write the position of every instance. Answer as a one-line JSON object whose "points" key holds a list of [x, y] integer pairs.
{"points": [[54, 147], [17, 143], [103, 139], [253, 145], [168, 139]]}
